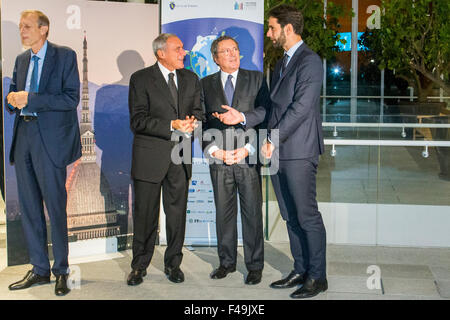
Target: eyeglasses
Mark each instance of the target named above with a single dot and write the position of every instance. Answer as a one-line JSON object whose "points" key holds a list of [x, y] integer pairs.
{"points": [[228, 51]]}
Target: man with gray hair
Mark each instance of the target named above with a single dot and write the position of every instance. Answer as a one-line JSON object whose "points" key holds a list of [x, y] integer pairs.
{"points": [[163, 98]]}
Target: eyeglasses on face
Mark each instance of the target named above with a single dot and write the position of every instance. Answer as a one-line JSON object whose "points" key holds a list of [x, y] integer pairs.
{"points": [[228, 51]]}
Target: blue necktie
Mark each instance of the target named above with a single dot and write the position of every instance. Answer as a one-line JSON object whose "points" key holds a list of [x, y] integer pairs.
{"points": [[34, 86], [229, 90]]}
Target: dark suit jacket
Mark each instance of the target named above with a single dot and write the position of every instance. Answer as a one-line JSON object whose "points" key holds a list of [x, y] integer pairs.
{"points": [[55, 104], [251, 92], [151, 110], [295, 108]]}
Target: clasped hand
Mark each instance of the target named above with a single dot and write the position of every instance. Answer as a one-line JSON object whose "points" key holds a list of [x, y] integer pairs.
{"points": [[18, 99], [188, 125], [231, 156]]}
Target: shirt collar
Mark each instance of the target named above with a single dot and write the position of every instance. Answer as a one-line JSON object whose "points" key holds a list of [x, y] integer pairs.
{"points": [[166, 72], [294, 48], [41, 53], [224, 75]]}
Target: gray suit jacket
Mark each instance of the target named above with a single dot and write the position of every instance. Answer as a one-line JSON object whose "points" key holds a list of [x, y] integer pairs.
{"points": [[295, 110], [251, 93]]}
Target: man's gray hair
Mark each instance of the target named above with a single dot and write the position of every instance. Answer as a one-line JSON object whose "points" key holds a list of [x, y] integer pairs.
{"points": [[160, 42]]}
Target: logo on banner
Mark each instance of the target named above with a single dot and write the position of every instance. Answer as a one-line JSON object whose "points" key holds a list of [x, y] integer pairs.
{"points": [[172, 5], [201, 60], [248, 5]]}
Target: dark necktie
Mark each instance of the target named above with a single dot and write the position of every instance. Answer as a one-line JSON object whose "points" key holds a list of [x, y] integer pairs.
{"points": [[229, 90], [173, 91], [284, 64], [34, 87]]}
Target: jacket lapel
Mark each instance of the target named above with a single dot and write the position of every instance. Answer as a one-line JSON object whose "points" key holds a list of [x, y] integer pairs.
{"points": [[217, 82], [22, 70], [276, 74], [242, 78], [161, 84], [291, 66], [47, 68], [182, 87]]}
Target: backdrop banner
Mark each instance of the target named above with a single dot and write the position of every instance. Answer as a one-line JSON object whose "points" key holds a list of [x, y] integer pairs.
{"points": [[197, 23], [98, 185]]}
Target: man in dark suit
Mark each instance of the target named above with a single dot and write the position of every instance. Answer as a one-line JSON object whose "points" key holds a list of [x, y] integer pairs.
{"points": [[295, 122], [163, 99], [44, 95], [232, 173]]}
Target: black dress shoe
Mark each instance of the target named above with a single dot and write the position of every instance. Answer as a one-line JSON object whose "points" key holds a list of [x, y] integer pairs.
{"points": [[221, 272], [310, 288], [174, 274], [135, 277], [254, 277], [30, 279], [292, 280], [61, 288]]}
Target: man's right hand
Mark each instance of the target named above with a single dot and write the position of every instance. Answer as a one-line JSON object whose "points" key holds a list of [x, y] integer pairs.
{"points": [[18, 100], [267, 150], [231, 117]]}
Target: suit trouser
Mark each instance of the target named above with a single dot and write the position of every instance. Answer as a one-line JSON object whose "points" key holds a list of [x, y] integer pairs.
{"points": [[38, 181], [228, 181], [295, 188], [146, 216]]}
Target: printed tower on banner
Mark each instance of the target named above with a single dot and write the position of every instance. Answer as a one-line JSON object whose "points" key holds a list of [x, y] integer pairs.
{"points": [[91, 212]]}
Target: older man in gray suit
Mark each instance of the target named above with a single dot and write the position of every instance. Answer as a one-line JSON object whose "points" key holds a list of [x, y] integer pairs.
{"points": [[295, 95]]}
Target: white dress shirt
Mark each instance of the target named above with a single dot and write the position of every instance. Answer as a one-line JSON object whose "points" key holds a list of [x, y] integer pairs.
{"points": [[166, 73], [224, 78]]}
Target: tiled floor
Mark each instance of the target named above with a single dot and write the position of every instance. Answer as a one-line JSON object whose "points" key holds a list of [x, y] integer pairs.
{"points": [[406, 273]]}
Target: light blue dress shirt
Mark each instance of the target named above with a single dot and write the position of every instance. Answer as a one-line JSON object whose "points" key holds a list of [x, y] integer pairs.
{"points": [[41, 55], [292, 50]]}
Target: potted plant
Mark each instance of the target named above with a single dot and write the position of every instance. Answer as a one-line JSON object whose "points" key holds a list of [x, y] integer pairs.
{"points": [[320, 33]]}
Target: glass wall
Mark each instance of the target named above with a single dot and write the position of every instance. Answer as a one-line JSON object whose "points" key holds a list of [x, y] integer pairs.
{"points": [[384, 178]]}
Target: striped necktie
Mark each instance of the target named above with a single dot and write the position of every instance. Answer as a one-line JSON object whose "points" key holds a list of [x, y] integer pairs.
{"points": [[284, 64]]}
